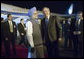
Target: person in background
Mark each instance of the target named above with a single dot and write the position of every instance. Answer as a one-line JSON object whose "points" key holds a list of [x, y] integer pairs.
{"points": [[22, 31], [2, 33], [2, 29], [78, 34], [67, 33], [10, 35]]}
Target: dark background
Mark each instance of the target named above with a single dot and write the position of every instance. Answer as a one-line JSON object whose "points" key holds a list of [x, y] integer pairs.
{"points": [[55, 6]]}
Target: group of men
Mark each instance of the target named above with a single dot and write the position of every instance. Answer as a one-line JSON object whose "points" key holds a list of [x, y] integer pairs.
{"points": [[73, 33], [43, 37]]}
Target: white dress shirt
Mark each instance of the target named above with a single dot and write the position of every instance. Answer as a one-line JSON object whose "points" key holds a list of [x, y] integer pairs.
{"points": [[48, 17], [29, 29], [10, 22]]}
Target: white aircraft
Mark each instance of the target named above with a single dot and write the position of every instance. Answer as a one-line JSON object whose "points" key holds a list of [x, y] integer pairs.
{"points": [[17, 12]]}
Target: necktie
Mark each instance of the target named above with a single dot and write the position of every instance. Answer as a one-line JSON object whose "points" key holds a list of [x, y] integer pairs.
{"points": [[11, 27]]}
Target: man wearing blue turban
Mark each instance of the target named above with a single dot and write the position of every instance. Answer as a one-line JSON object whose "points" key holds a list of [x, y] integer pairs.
{"points": [[34, 35]]}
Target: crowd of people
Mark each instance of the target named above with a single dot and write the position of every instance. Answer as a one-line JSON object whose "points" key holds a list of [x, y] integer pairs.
{"points": [[43, 37], [73, 33]]}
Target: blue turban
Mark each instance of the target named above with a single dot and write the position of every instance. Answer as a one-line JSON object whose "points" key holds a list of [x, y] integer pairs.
{"points": [[31, 11]]}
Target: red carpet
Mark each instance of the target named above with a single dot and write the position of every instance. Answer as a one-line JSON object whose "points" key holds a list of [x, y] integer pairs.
{"points": [[21, 51]]}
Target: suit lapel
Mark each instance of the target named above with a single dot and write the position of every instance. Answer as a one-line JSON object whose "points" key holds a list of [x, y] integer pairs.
{"points": [[13, 24], [49, 23], [44, 24], [22, 25], [8, 25], [80, 23]]}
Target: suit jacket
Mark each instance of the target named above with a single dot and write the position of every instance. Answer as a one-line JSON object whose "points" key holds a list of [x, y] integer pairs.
{"points": [[2, 30], [72, 28], [21, 29], [7, 30], [81, 28], [54, 29], [67, 27], [76, 28]]}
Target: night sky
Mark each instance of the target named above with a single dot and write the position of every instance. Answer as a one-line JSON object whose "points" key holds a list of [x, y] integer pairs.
{"points": [[55, 6]]}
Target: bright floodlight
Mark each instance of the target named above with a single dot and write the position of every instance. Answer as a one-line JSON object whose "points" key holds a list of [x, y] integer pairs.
{"points": [[70, 9]]}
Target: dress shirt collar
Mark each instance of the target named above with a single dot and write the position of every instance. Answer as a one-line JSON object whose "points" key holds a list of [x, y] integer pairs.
{"points": [[48, 17], [9, 21]]}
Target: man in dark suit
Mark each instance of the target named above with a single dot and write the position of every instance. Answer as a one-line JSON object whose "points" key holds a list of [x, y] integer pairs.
{"points": [[22, 31], [67, 33], [10, 34], [51, 32], [2, 32], [2, 29], [78, 34]]}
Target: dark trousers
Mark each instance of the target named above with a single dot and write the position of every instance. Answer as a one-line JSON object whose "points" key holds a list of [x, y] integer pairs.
{"points": [[78, 45], [75, 44], [81, 49], [53, 50], [7, 43], [68, 37], [23, 40]]}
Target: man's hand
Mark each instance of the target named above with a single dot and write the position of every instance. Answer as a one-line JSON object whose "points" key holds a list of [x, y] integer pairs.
{"points": [[22, 34], [59, 39], [79, 32], [74, 33], [6, 38]]}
